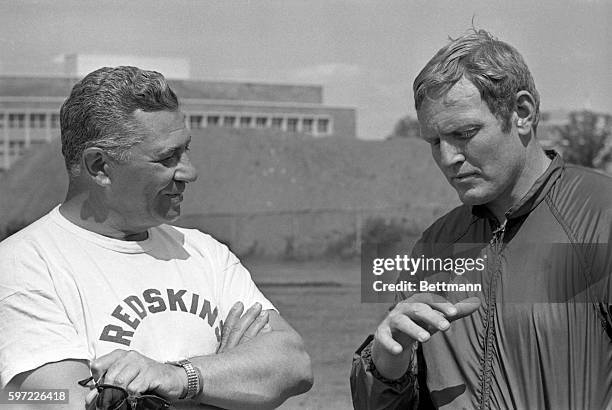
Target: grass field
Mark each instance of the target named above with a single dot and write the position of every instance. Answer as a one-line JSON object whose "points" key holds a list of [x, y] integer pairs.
{"points": [[321, 300]]}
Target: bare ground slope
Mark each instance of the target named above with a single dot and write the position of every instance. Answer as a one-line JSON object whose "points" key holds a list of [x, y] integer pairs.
{"points": [[252, 171]]}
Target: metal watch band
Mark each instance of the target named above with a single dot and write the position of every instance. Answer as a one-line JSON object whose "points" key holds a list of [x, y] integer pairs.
{"points": [[193, 378]]}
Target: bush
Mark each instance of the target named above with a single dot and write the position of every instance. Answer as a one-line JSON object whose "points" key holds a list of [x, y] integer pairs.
{"points": [[342, 247], [586, 139], [406, 127], [385, 233]]}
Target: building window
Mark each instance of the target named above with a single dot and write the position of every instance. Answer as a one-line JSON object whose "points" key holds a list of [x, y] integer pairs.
{"points": [[322, 126], [292, 124], [245, 122], [16, 147], [307, 125], [16, 120], [212, 120], [38, 120], [261, 122], [55, 121], [277, 123], [1, 120], [229, 121], [195, 122]]}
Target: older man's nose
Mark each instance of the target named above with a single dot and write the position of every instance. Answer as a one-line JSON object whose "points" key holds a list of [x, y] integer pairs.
{"points": [[185, 170]]}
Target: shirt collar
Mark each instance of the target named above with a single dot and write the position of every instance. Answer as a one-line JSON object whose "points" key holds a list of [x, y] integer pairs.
{"points": [[536, 193]]}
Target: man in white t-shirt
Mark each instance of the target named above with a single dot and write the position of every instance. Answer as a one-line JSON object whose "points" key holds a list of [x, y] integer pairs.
{"points": [[103, 286]]}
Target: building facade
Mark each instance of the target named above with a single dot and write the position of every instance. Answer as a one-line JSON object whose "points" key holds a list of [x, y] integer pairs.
{"points": [[29, 109]]}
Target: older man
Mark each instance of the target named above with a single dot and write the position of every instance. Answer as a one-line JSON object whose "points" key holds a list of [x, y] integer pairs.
{"points": [[103, 285], [537, 334]]}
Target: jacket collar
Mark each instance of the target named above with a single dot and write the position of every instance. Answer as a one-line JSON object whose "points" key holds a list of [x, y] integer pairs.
{"points": [[534, 196]]}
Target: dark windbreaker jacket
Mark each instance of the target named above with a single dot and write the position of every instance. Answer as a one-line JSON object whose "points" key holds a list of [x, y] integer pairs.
{"points": [[541, 338]]}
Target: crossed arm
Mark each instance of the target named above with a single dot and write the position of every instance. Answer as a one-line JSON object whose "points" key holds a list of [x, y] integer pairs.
{"points": [[260, 363]]}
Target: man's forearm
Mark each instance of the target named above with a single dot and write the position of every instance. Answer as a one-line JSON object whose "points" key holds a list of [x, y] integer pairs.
{"points": [[393, 366], [370, 390], [261, 373]]}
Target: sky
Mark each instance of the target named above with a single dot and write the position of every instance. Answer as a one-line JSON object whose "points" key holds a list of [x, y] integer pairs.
{"points": [[364, 53]]}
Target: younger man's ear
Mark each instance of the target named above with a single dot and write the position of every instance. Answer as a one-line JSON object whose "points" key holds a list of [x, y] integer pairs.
{"points": [[526, 112], [95, 165]]}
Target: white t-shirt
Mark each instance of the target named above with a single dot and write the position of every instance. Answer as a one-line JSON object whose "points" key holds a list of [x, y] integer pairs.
{"points": [[68, 293]]}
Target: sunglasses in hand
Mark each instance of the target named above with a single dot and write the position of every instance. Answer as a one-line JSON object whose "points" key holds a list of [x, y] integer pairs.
{"points": [[117, 398]]}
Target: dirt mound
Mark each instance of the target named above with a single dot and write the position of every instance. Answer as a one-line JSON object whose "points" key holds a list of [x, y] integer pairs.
{"points": [[255, 171]]}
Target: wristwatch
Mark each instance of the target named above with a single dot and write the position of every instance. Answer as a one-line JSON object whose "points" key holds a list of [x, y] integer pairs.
{"points": [[194, 379]]}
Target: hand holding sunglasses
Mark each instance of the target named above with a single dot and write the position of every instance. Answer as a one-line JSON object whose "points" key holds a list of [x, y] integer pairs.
{"points": [[112, 397], [138, 373]]}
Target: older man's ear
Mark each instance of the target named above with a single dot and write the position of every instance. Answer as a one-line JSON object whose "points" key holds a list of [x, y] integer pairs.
{"points": [[94, 164]]}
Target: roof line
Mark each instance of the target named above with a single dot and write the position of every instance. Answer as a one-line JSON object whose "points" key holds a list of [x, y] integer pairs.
{"points": [[259, 103], [211, 101], [171, 79]]}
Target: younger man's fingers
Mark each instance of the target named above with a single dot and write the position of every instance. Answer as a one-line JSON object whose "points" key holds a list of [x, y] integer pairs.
{"points": [[420, 312], [405, 330], [466, 307], [447, 308], [428, 319], [436, 302], [384, 338]]}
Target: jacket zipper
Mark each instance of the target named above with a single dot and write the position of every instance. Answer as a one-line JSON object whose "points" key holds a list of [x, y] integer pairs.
{"points": [[496, 245]]}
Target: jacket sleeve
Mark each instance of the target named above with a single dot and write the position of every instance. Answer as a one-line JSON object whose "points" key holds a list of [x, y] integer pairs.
{"points": [[370, 390]]}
